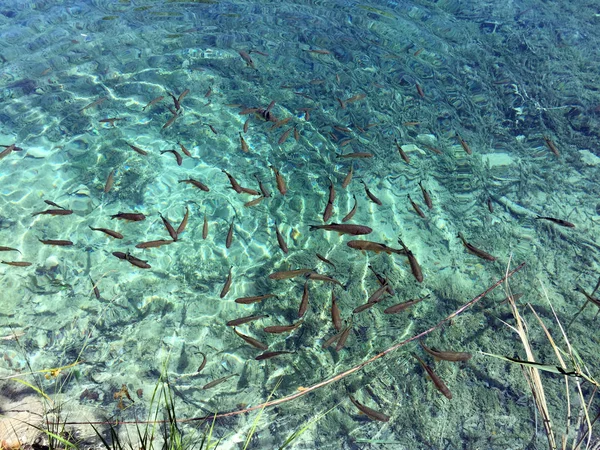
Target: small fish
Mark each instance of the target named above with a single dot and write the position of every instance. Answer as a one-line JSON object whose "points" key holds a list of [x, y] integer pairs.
{"points": [[262, 187], [250, 191], [562, 223], [110, 181], [318, 51], [551, 146], [227, 284], [381, 280], [243, 320], [218, 381], [96, 103], [490, 205], [182, 96], [250, 340], [414, 264], [280, 181], [371, 195], [132, 260], [363, 307], [437, 381], [254, 202], [355, 155], [320, 277], [175, 103], [296, 134], [282, 328], [474, 250], [426, 196], [170, 122], [203, 363], [284, 136], [254, 299], [7, 151], [464, 145], [112, 120], [111, 233], [433, 149], [196, 183], [178, 157], [185, 151], [184, 222], [229, 238], [247, 59], [402, 153], [378, 294], [153, 102], [205, 228], [446, 356], [348, 177], [154, 244], [416, 207], [212, 128], [336, 317], [54, 212], [328, 213], [209, 92], [286, 274], [355, 98], [246, 125], [354, 230], [17, 263], [282, 245], [234, 184], [95, 289], [9, 249], [370, 413], [325, 260], [59, 242], [51, 203], [269, 355], [420, 90], [350, 215], [403, 306], [304, 302], [134, 217], [169, 227], [138, 150], [344, 334]]}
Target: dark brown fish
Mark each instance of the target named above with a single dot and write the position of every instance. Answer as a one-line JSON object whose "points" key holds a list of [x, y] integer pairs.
{"points": [[234, 184], [169, 227], [175, 103], [254, 202], [325, 260], [184, 222], [51, 203], [284, 136], [446, 356], [374, 247], [111, 120], [348, 177], [381, 280], [304, 302], [414, 264], [551, 146], [350, 215], [426, 196], [7, 151], [133, 217], [138, 150], [355, 155], [269, 355], [562, 223], [218, 381], [416, 207], [153, 102], [185, 150], [247, 59], [59, 242], [17, 263], [403, 306], [370, 413], [341, 228], [341, 342], [250, 191], [178, 157], [9, 249], [154, 244], [403, 154], [54, 212], [280, 181], [464, 145], [286, 274], [255, 299], [262, 187], [205, 228], [227, 284], [111, 233], [229, 238], [243, 320], [474, 250], [250, 340], [282, 245], [363, 307], [319, 277], [110, 181], [370, 195], [244, 144], [336, 317], [439, 384], [282, 328], [132, 260], [182, 96], [95, 289]]}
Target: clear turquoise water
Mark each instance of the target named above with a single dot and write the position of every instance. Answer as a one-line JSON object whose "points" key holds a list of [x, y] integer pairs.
{"points": [[500, 77]]}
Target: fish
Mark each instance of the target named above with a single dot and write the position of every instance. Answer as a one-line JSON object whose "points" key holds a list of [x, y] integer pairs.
{"points": [[319, 277], [354, 155], [227, 284], [254, 202], [95, 289], [394, 309], [209, 92], [154, 244], [318, 51], [446, 356], [250, 340], [551, 146], [93, 104], [269, 355], [376, 296], [282, 245], [54, 212], [111, 120], [184, 222], [175, 103], [350, 215], [247, 125], [341, 342], [374, 247], [217, 381], [437, 381], [416, 207], [304, 302], [381, 280], [137, 149], [276, 329], [205, 228], [153, 102], [370, 195], [280, 181], [333, 339], [325, 260], [562, 223], [329, 208], [59, 242], [414, 264], [403, 154], [244, 144], [110, 181], [426, 196], [464, 145], [243, 320], [342, 228], [7, 151], [348, 177], [132, 260], [182, 96], [234, 184], [420, 90], [169, 122], [296, 134], [229, 238], [51, 203], [336, 317], [169, 227], [133, 217], [196, 183], [474, 250], [254, 299], [178, 157], [250, 191], [262, 187], [284, 136], [9, 249], [490, 205], [286, 274], [185, 151], [355, 98], [247, 59], [363, 307], [17, 263], [433, 149], [369, 412], [111, 233], [203, 363]]}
